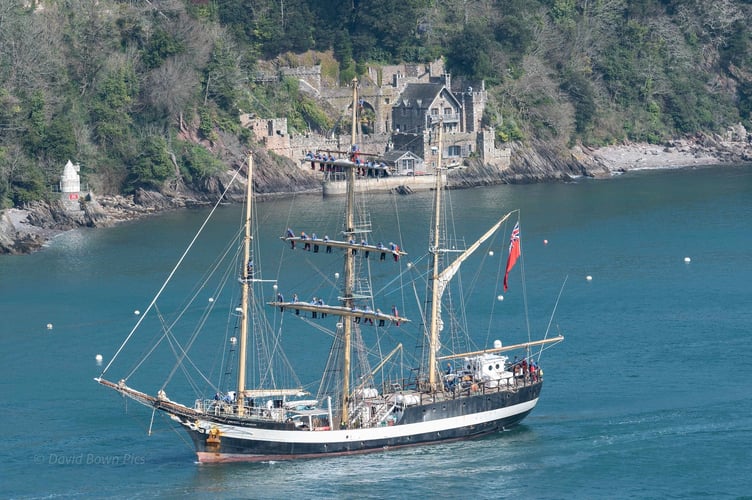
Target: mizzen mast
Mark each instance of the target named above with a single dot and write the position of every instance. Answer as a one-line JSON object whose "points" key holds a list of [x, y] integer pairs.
{"points": [[434, 331], [245, 290]]}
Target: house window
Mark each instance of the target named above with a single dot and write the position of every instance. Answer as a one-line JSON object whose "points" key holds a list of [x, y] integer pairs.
{"points": [[454, 151], [434, 111], [447, 111], [407, 166]]}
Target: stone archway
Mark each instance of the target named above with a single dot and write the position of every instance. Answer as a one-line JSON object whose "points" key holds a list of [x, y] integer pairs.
{"points": [[366, 116]]}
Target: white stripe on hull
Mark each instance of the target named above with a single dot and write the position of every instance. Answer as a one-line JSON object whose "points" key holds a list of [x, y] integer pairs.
{"points": [[363, 435]]}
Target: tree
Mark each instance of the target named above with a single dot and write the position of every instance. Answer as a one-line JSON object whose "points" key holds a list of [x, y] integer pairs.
{"points": [[112, 105], [469, 53], [152, 166]]}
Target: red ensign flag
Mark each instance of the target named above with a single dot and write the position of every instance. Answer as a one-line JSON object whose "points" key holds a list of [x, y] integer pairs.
{"points": [[514, 252]]}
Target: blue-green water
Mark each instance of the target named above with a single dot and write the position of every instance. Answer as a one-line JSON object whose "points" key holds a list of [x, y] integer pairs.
{"points": [[650, 395]]}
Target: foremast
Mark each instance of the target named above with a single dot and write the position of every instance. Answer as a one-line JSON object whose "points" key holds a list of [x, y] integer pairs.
{"points": [[245, 289]]}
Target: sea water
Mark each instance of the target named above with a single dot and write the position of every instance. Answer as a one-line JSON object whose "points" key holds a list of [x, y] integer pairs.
{"points": [[649, 396]]}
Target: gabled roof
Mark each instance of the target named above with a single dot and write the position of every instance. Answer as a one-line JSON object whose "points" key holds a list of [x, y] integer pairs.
{"points": [[396, 154], [423, 93]]}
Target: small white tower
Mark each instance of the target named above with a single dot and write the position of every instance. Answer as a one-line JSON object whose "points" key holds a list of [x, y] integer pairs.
{"points": [[70, 186]]}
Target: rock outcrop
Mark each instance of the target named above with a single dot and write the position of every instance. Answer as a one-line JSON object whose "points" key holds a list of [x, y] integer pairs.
{"points": [[26, 230]]}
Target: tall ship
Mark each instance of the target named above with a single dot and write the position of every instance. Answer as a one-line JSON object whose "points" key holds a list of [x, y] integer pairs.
{"points": [[367, 398]]}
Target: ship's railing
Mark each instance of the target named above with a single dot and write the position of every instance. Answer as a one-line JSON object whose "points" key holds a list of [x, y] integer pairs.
{"points": [[219, 408], [465, 385]]}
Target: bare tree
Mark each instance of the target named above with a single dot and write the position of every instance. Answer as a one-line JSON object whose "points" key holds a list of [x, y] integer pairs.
{"points": [[172, 85]]}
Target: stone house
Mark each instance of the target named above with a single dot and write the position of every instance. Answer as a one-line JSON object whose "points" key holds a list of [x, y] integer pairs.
{"points": [[400, 104]]}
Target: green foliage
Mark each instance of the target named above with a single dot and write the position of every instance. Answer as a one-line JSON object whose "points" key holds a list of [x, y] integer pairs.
{"points": [[736, 50], [581, 92], [304, 114], [206, 126], [197, 164], [111, 108], [153, 166], [563, 13], [509, 131], [689, 107], [36, 121], [469, 53], [27, 185], [60, 143], [385, 31], [206, 11], [94, 84], [161, 46], [223, 78], [744, 93], [343, 52], [271, 26]]}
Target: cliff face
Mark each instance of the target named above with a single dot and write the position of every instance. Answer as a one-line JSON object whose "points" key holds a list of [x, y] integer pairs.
{"points": [[530, 163]]}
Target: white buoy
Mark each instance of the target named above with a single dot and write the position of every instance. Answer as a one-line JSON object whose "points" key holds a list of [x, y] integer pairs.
{"points": [[499, 298], [49, 326], [687, 260], [233, 340], [211, 299], [589, 278], [136, 312], [490, 252], [545, 242], [409, 265], [336, 276], [98, 357], [275, 287]]}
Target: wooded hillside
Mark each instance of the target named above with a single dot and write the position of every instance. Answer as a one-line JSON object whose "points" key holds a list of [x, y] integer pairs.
{"points": [[146, 93]]}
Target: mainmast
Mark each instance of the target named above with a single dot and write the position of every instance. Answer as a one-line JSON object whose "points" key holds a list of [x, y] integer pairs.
{"points": [[245, 283], [349, 274], [434, 332]]}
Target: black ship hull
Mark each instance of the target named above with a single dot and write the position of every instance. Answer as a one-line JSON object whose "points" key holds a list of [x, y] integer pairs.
{"points": [[448, 420]]}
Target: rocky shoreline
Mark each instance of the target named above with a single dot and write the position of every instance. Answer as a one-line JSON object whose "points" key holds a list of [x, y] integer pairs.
{"points": [[26, 230]]}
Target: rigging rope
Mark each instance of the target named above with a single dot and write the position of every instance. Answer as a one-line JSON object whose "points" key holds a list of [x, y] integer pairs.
{"points": [[172, 273]]}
